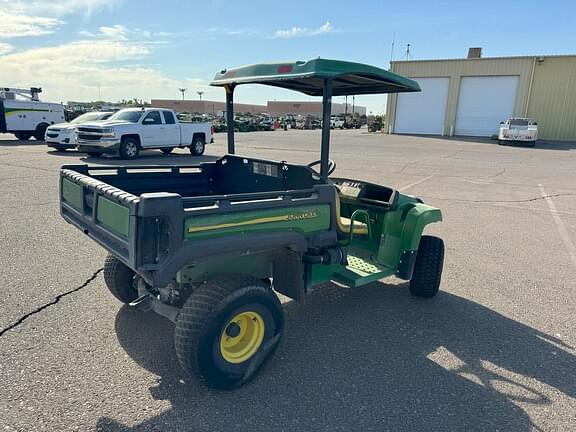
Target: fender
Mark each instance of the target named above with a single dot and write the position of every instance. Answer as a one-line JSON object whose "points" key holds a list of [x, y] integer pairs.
{"points": [[416, 219]]}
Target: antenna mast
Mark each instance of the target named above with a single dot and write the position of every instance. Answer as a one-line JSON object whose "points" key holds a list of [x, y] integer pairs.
{"points": [[392, 49]]}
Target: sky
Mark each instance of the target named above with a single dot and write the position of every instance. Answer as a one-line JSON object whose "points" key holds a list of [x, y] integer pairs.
{"points": [[123, 49]]}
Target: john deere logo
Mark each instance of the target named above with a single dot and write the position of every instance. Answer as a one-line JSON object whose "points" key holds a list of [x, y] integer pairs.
{"points": [[302, 216]]}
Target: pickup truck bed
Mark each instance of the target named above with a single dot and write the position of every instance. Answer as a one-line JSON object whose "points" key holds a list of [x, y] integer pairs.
{"points": [[159, 219]]}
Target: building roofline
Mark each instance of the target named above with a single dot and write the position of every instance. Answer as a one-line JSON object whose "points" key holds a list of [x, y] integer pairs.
{"points": [[485, 58]]}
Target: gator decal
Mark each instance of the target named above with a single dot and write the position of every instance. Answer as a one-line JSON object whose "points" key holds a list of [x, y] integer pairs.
{"points": [[305, 219]]}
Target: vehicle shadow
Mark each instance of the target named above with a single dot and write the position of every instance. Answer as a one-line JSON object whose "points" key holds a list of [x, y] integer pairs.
{"points": [[540, 144], [367, 359], [16, 143]]}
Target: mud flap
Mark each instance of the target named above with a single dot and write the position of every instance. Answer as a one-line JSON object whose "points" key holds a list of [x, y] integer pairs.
{"points": [[289, 275]]}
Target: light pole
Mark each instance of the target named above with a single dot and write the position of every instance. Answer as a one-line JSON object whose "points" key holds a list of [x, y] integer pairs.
{"points": [[345, 110], [200, 93], [182, 90]]}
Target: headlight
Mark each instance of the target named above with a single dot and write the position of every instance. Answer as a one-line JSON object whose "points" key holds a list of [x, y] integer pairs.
{"points": [[108, 132]]}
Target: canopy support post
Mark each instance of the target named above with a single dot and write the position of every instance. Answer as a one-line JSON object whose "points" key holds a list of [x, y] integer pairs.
{"points": [[326, 112], [230, 117]]}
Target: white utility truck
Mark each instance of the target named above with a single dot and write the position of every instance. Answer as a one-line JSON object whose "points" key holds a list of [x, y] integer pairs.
{"points": [[133, 129], [62, 136], [22, 113], [519, 130]]}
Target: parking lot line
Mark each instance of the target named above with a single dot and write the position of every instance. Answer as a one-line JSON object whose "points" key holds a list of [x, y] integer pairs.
{"points": [[560, 225], [416, 183]]}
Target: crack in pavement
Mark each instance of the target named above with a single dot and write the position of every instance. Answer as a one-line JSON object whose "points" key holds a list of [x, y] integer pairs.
{"points": [[503, 201], [53, 302]]}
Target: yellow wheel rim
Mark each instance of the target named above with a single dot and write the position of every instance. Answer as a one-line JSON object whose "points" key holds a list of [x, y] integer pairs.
{"points": [[242, 336]]}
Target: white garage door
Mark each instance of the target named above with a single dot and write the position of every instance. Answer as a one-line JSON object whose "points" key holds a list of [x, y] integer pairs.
{"points": [[423, 112], [483, 103]]}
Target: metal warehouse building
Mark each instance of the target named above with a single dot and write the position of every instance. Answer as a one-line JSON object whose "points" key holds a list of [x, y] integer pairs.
{"points": [[471, 96]]}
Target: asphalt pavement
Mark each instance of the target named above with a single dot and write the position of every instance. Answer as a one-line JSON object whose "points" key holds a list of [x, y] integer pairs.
{"points": [[494, 351]]}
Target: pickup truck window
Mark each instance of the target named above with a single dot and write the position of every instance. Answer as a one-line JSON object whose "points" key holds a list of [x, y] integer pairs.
{"points": [[153, 118], [168, 117], [129, 116]]}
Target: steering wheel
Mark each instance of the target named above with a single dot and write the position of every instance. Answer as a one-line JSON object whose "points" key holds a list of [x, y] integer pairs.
{"points": [[331, 166]]}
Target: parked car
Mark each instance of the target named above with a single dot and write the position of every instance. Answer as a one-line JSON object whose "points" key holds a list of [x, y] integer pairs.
{"points": [[62, 136], [519, 130], [336, 122], [132, 129]]}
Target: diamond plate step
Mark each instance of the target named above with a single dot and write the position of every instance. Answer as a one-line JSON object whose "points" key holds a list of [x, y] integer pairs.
{"points": [[362, 270]]}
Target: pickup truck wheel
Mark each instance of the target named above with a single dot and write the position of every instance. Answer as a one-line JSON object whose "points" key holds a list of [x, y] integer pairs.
{"points": [[197, 147], [427, 274], [119, 279], [167, 150], [227, 328], [129, 149], [94, 154]]}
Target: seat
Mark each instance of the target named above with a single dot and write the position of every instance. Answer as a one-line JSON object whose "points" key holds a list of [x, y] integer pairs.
{"points": [[344, 222]]}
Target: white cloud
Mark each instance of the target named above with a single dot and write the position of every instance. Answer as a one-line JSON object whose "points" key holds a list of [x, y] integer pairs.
{"points": [[121, 32], [115, 32], [5, 48], [303, 31], [15, 25], [56, 8], [80, 70]]}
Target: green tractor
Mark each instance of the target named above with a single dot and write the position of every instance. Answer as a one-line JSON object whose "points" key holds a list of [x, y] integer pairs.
{"points": [[208, 246]]}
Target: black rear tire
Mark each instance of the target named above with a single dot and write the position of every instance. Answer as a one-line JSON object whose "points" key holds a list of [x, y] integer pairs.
{"points": [[40, 131], [119, 279], [23, 136], [427, 273], [94, 154], [129, 148], [204, 322], [198, 146], [167, 150]]}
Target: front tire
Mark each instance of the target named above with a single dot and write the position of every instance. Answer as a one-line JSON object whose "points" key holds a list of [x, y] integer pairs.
{"points": [[198, 146], [427, 273], [129, 148], [119, 279], [40, 131], [226, 330]]}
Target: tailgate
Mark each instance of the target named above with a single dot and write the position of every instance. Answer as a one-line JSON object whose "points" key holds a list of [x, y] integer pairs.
{"points": [[103, 212]]}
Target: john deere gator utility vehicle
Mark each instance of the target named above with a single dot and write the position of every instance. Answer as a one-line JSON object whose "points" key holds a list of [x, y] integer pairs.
{"points": [[208, 245]]}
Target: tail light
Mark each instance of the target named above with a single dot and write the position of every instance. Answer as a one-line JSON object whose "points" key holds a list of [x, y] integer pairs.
{"points": [[212, 130]]}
